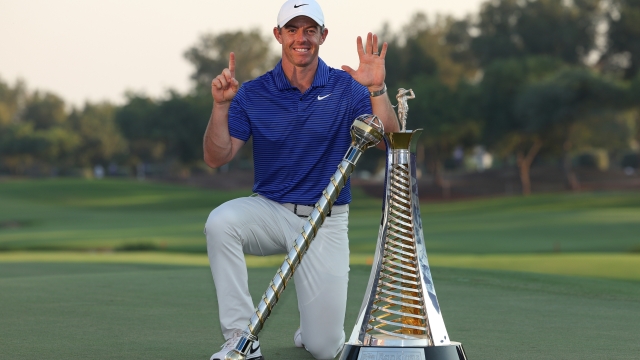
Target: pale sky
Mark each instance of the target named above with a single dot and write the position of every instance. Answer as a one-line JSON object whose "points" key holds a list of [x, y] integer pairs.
{"points": [[96, 50]]}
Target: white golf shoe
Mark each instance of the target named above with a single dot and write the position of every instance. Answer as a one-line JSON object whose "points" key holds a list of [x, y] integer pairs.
{"points": [[253, 353], [297, 338]]}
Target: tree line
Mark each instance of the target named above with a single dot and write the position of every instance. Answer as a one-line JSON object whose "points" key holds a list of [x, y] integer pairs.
{"points": [[530, 80]]}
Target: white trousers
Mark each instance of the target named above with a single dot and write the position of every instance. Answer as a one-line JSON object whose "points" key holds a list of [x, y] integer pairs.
{"points": [[258, 226]]}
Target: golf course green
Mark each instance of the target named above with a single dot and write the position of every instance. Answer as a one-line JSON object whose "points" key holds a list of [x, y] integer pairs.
{"points": [[117, 269]]}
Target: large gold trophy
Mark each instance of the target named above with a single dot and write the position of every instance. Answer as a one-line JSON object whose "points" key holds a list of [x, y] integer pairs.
{"points": [[400, 318], [366, 131]]}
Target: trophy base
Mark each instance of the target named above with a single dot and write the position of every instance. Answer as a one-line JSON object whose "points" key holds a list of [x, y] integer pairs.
{"points": [[445, 352]]}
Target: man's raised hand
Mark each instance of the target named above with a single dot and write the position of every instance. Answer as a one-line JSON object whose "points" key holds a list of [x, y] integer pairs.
{"points": [[371, 71], [225, 86]]}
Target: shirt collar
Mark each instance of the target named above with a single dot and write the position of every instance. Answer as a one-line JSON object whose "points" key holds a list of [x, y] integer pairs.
{"points": [[320, 79]]}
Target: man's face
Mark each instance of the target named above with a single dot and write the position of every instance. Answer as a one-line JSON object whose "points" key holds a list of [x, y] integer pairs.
{"points": [[301, 38]]}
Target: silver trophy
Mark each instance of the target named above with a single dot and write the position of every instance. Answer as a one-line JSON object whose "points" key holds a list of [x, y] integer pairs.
{"points": [[366, 131], [400, 317]]}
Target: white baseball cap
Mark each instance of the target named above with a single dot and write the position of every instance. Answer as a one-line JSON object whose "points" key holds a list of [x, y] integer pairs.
{"points": [[293, 8]]}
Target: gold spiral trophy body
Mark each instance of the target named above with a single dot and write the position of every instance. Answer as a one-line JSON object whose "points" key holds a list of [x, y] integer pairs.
{"points": [[366, 131], [400, 318]]}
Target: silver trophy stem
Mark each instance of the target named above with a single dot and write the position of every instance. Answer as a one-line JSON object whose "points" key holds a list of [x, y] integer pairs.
{"points": [[366, 132]]}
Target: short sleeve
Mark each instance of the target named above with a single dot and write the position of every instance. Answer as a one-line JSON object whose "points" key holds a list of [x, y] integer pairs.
{"points": [[239, 123], [361, 101]]}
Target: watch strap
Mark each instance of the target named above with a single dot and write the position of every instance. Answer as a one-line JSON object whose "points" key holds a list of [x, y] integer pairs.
{"points": [[379, 92]]}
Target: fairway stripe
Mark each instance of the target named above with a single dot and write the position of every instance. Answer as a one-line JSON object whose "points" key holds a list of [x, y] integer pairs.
{"points": [[599, 265]]}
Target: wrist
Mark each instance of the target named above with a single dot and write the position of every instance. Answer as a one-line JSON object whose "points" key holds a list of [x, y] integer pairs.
{"points": [[222, 104], [377, 90]]}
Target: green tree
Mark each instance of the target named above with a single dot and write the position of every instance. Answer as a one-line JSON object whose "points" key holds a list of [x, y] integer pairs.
{"points": [[11, 101], [557, 110], [22, 148], [634, 98], [423, 48], [623, 36], [44, 110], [210, 55], [165, 129], [522, 28], [101, 139], [36, 137], [503, 131], [448, 118], [425, 57], [183, 120], [137, 120]]}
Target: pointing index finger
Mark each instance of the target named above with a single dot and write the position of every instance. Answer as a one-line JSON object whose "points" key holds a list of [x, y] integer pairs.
{"points": [[232, 64]]}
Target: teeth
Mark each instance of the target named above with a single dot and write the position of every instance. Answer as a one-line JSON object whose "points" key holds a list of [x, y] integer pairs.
{"points": [[301, 50]]}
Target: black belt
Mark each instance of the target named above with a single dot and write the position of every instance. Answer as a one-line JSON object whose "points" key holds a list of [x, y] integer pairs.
{"points": [[306, 210]]}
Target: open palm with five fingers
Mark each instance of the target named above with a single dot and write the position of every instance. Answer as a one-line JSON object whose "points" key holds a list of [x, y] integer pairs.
{"points": [[371, 70], [225, 86]]}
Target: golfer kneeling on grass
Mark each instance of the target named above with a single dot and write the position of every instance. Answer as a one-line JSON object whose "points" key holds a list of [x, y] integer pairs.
{"points": [[299, 115]]}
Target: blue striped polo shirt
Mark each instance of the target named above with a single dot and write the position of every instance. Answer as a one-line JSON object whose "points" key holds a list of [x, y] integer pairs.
{"points": [[298, 138]]}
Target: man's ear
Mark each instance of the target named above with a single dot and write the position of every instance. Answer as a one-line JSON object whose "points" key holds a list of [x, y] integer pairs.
{"points": [[276, 33], [323, 36]]}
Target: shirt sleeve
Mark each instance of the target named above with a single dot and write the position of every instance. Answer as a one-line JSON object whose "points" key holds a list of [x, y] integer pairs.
{"points": [[361, 100], [239, 122]]}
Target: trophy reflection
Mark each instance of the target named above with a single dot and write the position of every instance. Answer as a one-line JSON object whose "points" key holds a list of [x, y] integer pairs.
{"points": [[400, 318]]}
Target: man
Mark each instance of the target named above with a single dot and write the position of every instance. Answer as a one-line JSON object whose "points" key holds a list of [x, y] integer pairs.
{"points": [[299, 115]]}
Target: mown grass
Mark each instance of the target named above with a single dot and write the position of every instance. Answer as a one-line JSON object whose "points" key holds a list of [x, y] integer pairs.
{"points": [[133, 311], [78, 214], [597, 265], [129, 278], [69, 214]]}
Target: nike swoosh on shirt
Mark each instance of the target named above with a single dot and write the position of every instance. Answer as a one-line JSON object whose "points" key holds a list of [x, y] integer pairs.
{"points": [[297, 6], [323, 97]]}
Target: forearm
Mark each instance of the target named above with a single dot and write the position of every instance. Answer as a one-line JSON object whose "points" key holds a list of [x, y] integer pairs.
{"points": [[383, 109], [218, 144]]}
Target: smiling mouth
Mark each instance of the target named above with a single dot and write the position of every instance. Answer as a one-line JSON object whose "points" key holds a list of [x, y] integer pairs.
{"points": [[301, 50]]}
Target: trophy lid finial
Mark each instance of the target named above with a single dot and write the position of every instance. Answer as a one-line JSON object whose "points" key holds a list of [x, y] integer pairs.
{"points": [[403, 106]]}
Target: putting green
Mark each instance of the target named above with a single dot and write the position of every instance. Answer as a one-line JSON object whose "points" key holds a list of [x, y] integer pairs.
{"points": [[605, 265]]}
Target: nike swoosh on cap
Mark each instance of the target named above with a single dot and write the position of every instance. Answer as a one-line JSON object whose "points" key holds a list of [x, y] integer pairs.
{"points": [[322, 97], [297, 6]]}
